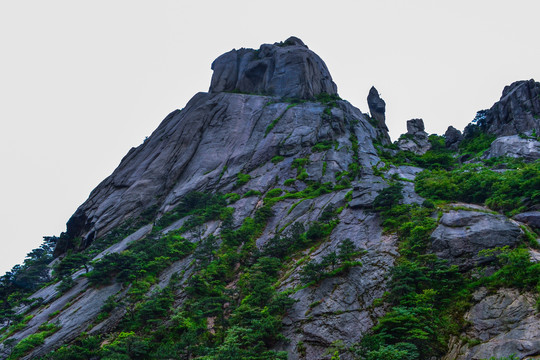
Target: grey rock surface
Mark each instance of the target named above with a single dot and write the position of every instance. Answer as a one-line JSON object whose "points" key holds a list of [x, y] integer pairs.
{"points": [[416, 139], [286, 69], [506, 323], [340, 308], [514, 146], [461, 234], [531, 218], [366, 190], [204, 146]]}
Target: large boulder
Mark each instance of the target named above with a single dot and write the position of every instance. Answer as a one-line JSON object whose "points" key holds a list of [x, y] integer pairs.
{"points": [[514, 146], [287, 69], [462, 234]]}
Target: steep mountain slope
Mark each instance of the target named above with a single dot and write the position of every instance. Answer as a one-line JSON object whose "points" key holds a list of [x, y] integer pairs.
{"points": [[270, 219]]}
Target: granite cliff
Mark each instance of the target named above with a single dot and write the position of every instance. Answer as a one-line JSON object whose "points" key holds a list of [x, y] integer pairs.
{"points": [[270, 219]]}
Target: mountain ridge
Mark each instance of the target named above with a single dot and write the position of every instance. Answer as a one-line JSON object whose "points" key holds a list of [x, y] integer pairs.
{"points": [[283, 223]]}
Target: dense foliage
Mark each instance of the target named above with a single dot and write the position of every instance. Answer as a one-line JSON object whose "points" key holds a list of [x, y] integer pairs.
{"points": [[510, 191]]}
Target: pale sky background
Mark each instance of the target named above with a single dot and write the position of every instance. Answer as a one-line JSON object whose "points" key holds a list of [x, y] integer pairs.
{"points": [[81, 82]]}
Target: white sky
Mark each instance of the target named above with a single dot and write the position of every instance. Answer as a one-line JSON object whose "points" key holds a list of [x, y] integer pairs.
{"points": [[81, 82]]}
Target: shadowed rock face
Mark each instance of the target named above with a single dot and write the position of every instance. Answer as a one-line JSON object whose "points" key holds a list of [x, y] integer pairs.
{"points": [[517, 111], [452, 138], [288, 70], [377, 107]]}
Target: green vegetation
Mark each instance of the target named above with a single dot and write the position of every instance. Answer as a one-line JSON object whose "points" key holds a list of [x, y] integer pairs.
{"points": [[276, 159], [323, 146], [438, 157], [252, 193], [32, 341], [511, 191], [331, 264], [242, 179]]}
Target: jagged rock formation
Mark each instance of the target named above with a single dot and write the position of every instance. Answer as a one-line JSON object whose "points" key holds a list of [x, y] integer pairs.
{"points": [[288, 70], [377, 109], [272, 134], [517, 112], [416, 139], [452, 138]]}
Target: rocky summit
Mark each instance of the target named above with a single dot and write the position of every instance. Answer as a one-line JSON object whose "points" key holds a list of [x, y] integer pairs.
{"points": [[271, 219]]}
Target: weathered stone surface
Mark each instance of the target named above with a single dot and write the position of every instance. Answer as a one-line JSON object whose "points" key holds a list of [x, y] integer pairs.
{"points": [[206, 144], [514, 146], [286, 69], [416, 140], [452, 138], [531, 218], [506, 323], [518, 110], [461, 234], [340, 308], [366, 190]]}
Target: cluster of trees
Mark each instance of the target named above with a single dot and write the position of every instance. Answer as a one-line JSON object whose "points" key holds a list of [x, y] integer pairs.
{"points": [[16, 285], [315, 271]]}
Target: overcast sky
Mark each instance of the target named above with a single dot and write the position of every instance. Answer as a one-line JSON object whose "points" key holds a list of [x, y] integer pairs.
{"points": [[81, 82]]}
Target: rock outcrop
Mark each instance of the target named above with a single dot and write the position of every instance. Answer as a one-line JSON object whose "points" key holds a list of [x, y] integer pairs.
{"points": [[288, 70], [377, 109], [517, 112], [505, 324], [416, 139], [462, 234], [514, 146]]}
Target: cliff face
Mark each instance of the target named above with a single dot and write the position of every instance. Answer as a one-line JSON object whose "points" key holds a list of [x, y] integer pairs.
{"points": [[329, 243], [219, 134]]}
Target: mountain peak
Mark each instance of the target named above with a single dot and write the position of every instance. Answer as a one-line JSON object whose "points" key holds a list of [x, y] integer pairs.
{"points": [[287, 69]]}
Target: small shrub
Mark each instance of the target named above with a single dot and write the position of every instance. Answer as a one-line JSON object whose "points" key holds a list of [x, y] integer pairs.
{"points": [[242, 179], [277, 159]]}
